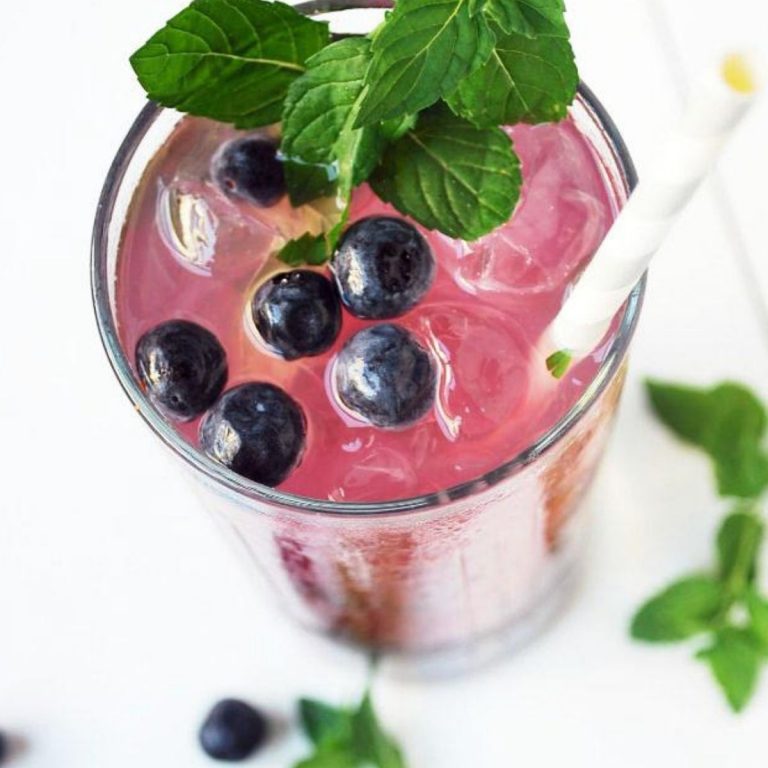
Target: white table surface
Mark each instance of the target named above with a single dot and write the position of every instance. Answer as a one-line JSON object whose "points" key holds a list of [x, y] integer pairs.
{"points": [[123, 615]]}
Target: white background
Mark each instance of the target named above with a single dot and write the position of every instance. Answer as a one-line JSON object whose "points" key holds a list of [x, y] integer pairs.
{"points": [[122, 614]]}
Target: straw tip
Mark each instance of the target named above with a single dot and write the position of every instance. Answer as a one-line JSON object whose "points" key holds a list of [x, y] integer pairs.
{"points": [[741, 73]]}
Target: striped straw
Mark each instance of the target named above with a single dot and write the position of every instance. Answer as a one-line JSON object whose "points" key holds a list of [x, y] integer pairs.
{"points": [[717, 105]]}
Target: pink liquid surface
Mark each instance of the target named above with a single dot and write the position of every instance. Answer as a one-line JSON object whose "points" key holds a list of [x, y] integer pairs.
{"points": [[481, 319]]}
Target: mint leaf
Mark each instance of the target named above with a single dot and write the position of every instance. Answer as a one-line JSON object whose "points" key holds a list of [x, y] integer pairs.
{"points": [[758, 614], [728, 422], [307, 249], [682, 610], [684, 410], [345, 739], [530, 80], [420, 53], [735, 660], [558, 363], [738, 544], [451, 176], [372, 744], [323, 723], [529, 17], [320, 111], [230, 60], [393, 129]]}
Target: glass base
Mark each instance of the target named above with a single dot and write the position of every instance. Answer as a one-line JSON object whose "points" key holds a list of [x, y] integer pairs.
{"points": [[491, 648]]}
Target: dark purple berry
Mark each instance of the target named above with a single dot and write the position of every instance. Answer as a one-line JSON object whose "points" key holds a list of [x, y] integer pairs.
{"points": [[383, 267], [182, 367], [297, 314], [233, 731], [257, 430], [250, 169], [385, 376]]}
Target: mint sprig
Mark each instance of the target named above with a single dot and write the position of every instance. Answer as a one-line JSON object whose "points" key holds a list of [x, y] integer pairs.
{"points": [[422, 96], [347, 738], [230, 60], [723, 607]]}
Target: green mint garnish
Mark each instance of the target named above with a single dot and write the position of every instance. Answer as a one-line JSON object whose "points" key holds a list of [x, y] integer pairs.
{"points": [[449, 175], [414, 107], [420, 54], [230, 60], [530, 80], [559, 362], [347, 738], [728, 422], [528, 17]]}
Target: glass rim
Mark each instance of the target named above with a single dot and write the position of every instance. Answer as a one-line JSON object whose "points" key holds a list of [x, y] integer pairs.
{"points": [[241, 486]]}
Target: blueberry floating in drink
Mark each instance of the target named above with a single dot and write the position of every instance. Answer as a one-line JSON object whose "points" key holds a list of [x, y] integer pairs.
{"points": [[257, 430], [250, 169], [297, 314], [383, 267], [183, 368], [384, 376], [233, 731]]}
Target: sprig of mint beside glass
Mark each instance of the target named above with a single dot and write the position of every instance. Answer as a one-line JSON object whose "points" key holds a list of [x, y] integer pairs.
{"points": [[414, 108], [723, 607], [347, 737]]}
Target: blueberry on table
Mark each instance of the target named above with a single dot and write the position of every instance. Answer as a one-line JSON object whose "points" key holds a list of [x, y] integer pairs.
{"points": [[233, 731], [256, 430], [384, 376], [383, 267], [183, 368], [297, 314], [250, 169]]}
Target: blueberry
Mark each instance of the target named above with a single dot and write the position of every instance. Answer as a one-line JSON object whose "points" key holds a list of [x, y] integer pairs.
{"points": [[250, 169], [183, 368], [256, 430], [298, 314], [383, 267], [4, 747], [233, 731], [385, 376]]}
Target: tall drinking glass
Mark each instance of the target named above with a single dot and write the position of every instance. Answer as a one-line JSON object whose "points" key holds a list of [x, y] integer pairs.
{"points": [[450, 578]]}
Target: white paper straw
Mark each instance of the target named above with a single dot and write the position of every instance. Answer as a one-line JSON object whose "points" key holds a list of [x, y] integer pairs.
{"points": [[718, 102]]}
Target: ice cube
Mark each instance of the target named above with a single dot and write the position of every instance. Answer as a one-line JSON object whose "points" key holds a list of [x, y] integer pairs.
{"points": [[560, 221], [188, 227], [482, 360]]}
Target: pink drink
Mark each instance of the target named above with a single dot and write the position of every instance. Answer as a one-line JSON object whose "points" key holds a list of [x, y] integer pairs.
{"points": [[487, 307], [464, 569]]}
